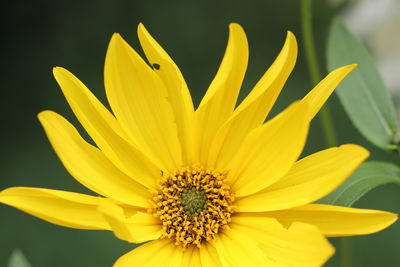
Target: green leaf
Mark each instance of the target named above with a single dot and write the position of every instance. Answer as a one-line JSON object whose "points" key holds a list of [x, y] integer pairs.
{"points": [[370, 175], [363, 94], [17, 259]]}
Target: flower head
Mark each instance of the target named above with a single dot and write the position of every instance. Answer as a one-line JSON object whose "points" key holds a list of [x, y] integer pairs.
{"points": [[212, 186]]}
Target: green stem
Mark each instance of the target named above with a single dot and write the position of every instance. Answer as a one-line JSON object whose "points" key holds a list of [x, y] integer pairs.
{"points": [[345, 252], [315, 74], [324, 114]]}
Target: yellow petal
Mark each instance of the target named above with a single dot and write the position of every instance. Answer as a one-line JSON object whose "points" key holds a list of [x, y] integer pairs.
{"points": [[209, 256], [105, 130], [269, 151], [153, 254], [137, 227], [196, 262], [88, 165], [59, 207], [308, 180], [85, 105], [178, 92], [318, 96], [337, 221], [237, 249], [174, 258], [220, 99], [255, 107], [187, 256], [139, 100], [299, 245]]}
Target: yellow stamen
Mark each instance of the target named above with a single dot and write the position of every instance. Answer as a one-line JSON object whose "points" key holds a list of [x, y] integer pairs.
{"points": [[193, 204]]}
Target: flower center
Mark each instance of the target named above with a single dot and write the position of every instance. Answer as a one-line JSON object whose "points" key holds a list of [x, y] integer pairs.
{"points": [[194, 204], [193, 201]]}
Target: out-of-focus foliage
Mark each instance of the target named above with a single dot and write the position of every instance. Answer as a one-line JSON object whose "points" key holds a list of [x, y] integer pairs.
{"points": [[18, 259], [370, 107], [370, 175], [363, 94]]}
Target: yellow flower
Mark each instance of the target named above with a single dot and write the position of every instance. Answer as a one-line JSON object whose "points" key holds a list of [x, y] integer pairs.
{"points": [[215, 186]]}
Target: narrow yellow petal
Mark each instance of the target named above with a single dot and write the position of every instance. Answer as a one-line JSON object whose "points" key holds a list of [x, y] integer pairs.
{"points": [[169, 256], [336, 161], [337, 221], [59, 207], [255, 107], [105, 130], [237, 249], [209, 256], [88, 165], [317, 97], [139, 100], [308, 180], [187, 256], [174, 259], [152, 254], [178, 92], [195, 260], [87, 108], [137, 227], [220, 99], [269, 151], [298, 245]]}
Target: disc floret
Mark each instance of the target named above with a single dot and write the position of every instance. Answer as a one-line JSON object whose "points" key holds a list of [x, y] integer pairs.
{"points": [[194, 204], [193, 201]]}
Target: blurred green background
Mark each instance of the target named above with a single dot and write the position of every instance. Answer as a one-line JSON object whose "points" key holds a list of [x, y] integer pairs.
{"points": [[38, 35]]}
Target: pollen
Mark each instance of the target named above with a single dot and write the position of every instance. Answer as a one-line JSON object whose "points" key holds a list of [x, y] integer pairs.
{"points": [[194, 204]]}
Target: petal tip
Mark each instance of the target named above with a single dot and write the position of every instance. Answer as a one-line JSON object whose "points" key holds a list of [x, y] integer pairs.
{"points": [[116, 43], [391, 217], [345, 70], [116, 37], [236, 28], [353, 66], [10, 191], [291, 39], [47, 116], [234, 25], [394, 216], [290, 34], [361, 150], [56, 70], [356, 150], [387, 219], [141, 27], [143, 33], [350, 67], [290, 49], [42, 114]]}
